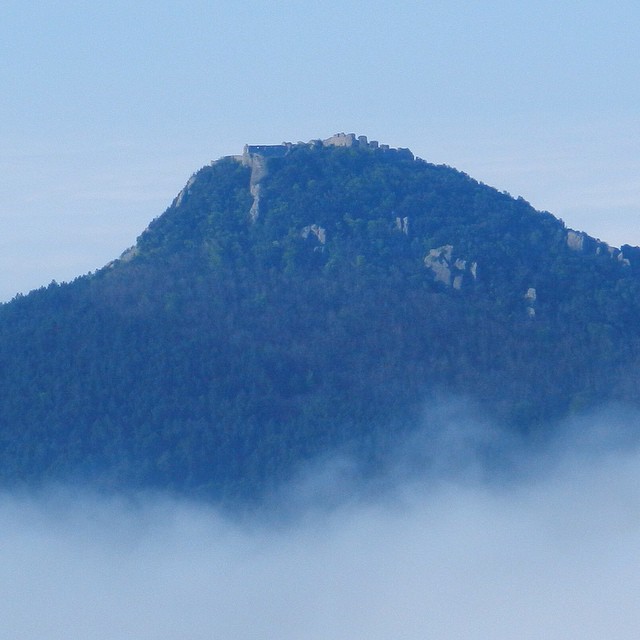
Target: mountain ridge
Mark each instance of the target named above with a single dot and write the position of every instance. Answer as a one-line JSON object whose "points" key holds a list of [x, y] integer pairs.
{"points": [[267, 318]]}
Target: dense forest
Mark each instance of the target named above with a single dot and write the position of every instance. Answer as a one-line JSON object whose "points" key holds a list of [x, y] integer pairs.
{"points": [[251, 329]]}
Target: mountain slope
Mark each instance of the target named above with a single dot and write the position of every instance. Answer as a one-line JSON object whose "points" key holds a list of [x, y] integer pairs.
{"points": [[301, 298]]}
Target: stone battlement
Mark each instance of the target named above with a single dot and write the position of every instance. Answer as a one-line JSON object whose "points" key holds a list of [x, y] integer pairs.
{"points": [[350, 140], [337, 140], [361, 142], [267, 150]]}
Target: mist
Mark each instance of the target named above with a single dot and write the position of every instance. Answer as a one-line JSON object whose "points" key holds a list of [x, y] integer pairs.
{"points": [[548, 550]]}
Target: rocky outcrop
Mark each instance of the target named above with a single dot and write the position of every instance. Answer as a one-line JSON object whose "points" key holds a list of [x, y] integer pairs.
{"points": [[576, 240], [402, 224], [315, 230], [530, 298], [581, 242], [258, 165], [447, 269], [180, 197]]}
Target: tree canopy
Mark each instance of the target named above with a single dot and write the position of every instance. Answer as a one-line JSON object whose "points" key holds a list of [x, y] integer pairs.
{"points": [[224, 351]]}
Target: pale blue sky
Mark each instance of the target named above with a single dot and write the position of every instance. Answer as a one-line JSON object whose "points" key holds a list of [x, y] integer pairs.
{"points": [[106, 110]]}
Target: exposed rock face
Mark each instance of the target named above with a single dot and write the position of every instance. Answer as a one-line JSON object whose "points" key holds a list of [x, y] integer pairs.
{"points": [[180, 197], [576, 240], [129, 254], [314, 229], [448, 270], [402, 224], [439, 262], [258, 164], [582, 243], [254, 211], [530, 298]]}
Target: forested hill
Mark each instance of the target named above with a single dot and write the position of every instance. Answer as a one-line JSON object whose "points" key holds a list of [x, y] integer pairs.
{"points": [[302, 298]]}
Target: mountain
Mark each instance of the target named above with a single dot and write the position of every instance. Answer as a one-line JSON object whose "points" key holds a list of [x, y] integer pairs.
{"points": [[302, 298]]}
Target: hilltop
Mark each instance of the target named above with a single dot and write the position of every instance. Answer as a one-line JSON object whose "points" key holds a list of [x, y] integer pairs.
{"points": [[300, 298]]}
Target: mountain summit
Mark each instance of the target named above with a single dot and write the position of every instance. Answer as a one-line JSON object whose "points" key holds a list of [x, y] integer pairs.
{"points": [[301, 298]]}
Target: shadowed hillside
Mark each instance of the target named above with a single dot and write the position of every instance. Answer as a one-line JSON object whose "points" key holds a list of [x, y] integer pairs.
{"points": [[302, 298]]}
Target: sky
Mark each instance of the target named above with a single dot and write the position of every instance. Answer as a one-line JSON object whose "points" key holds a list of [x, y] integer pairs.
{"points": [[108, 108]]}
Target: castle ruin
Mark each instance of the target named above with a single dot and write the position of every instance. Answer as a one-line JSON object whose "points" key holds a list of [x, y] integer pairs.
{"points": [[256, 157], [336, 140]]}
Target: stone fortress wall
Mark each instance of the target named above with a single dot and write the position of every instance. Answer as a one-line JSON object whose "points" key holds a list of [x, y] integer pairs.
{"points": [[337, 140]]}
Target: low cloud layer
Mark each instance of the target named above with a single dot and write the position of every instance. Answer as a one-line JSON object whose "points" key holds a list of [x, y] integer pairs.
{"points": [[551, 553]]}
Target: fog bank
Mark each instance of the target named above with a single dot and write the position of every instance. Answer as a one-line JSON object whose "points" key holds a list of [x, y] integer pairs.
{"points": [[550, 554]]}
